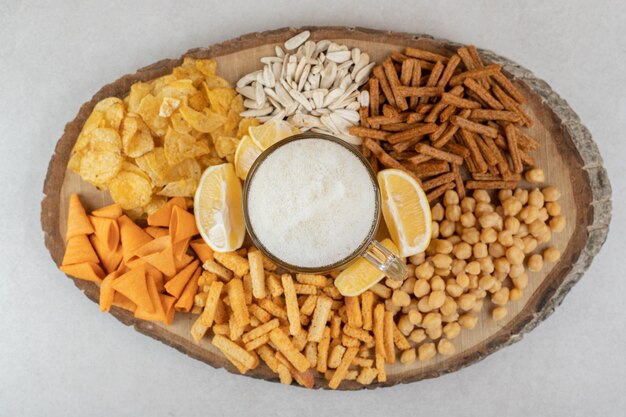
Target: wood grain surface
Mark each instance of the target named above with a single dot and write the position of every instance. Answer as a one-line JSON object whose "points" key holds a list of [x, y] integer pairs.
{"points": [[568, 156]]}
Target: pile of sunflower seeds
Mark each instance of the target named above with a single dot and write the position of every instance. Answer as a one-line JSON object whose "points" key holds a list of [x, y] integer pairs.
{"points": [[314, 85]]}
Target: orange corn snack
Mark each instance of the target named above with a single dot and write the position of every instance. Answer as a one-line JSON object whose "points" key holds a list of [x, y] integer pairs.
{"points": [[176, 285], [161, 217], [107, 230], [133, 237], [156, 275], [168, 303], [107, 293], [154, 246], [202, 250], [122, 301], [86, 270], [182, 224], [163, 261], [110, 212], [157, 232], [133, 285], [77, 220], [79, 250], [109, 260], [185, 302], [158, 313]]}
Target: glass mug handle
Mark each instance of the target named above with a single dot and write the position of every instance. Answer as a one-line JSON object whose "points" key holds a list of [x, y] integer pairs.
{"points": [[383, 259]]}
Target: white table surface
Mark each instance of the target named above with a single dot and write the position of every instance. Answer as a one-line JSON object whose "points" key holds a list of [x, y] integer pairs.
{"points": [[59, 356]]}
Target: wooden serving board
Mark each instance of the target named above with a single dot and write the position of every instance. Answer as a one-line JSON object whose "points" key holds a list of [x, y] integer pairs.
{"points": [[568, 156]]}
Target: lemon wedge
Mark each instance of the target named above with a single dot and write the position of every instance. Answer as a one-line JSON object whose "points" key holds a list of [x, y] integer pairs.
{"points": [[406, 211], [217, 208], [271, 132], [361, 275], [245, 155]]}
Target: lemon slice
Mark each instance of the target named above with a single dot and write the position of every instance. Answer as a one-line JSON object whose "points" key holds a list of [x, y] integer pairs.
{"points": [[406, 211], [271, 132], [245, 155], [217, 208], [361, 275]]}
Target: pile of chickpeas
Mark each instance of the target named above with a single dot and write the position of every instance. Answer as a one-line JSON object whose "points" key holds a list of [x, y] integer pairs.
{"points": [[478, 256]]}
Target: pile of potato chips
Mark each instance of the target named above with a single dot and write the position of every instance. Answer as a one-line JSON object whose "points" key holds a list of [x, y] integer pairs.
{"points": [[156, 142]]}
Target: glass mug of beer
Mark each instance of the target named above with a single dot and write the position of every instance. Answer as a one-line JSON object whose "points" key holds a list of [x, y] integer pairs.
{"points": [[311, 203]]}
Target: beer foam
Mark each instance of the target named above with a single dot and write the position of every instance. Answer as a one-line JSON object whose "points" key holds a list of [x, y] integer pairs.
{"points": [[311, 203]]}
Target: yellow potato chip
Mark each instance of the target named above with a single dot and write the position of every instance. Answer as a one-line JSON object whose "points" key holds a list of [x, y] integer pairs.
{"points": [[189, 168], [190, 73], [209, 160], [198, 102], [94, 121], [225, 145], [149, 112], [114, 115], [105, 139], [75, 159], [137, 92], [178, 146], [202, 147], [245, 124], [168, 106], [154, 163], [207, 67], [130, 167], [178, 89], [215, 81], [220, 99], [130, 190], [99, 167], [104, 104], [179, 123], [136, 137], [156, 202], [180, 188], [206, 121], [232, 122], [157, 85]]}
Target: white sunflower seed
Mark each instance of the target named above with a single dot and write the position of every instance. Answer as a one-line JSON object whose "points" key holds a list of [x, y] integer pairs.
{"points": [[364, 98], [364, 59], [247, 91], [349, 115], [364, 74], [328, 75], [338, 56], [322, 46], [257, 112], [270, 59], [252, 104], [297, 40], [332, 96], [279, 51], [268, 76], [247, 79]]}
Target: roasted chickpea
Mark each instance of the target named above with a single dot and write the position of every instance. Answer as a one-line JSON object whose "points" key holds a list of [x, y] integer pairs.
{"points": [[422, 287], [471, 235], [482, 196], [462, 250], [450, 197], [468, 320], [551, 254], [521, 195], [505, 237], [446, 228], [462, 279], [453, 212], [468, 205], [442, 261], [515, 255], [452, 330], [498, 313], [437, 284], [535, 262], [480, 250], [468, 220], [486, 265], [427, 351], [511, 206], [530, 244], [458, 266], [535, 198], [553, 208], [520, 282], [551, 194], [437, 212], [408, 356], [557, 224], [496, 250], [446, 347], [504, 195], [417, 259], [473, 268], [424, 270], [501, 265], [535, 175], [483, 208], [415, 317], [417, 335], [488, 235]]}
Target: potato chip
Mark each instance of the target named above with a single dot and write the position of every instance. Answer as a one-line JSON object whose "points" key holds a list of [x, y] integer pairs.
{"points": [[136, 137], [114, 115], [202, 147], [189, 168], [130, 190], [156, 202], [220, 99], [168, 106], [137, 92], [105, 139], [179, 123], [178, 89], [105, 104], [98, 167], [178, 146], [130, 167], [205, 122], [75, 159], [158, 84], [190, 73], [215, 81], [245, 124], [93, 122], [154, 163], [198, 101], [208, 67], [225, 145], [209, 160], [149, 112], [180, 188]]}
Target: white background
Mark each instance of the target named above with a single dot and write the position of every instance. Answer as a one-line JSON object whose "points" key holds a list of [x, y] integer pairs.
{"points": [[59, 356]]}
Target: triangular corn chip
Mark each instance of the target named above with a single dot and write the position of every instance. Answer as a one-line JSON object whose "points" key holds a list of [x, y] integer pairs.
{"points": [[182, 225], [185, 302], [163, 261], [77, 220], [110, 212], [109, 260], [161, 217], [157, 276], [107, 293], [79, 250], [87, 271], [133, 237], [168, 308], [180, 248], [122, 301], [183, 261], [157, 232], [158, 313], [107, 230], [176, 285], [154, 246], [133, 285], [202, 250]]}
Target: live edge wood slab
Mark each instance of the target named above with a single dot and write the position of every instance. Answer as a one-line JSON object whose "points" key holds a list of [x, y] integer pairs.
{"points": [[568, 155]]}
